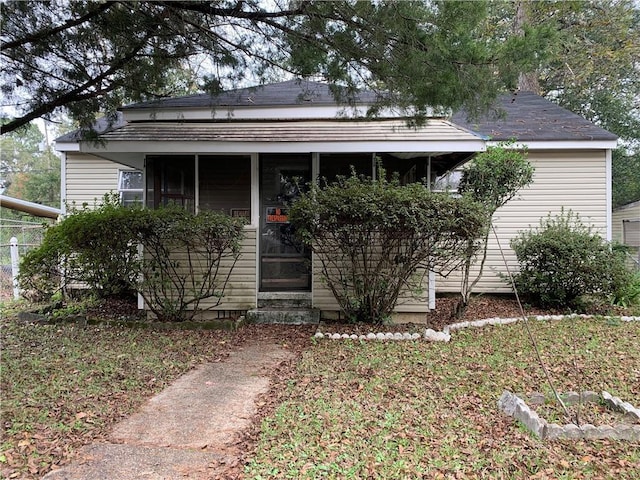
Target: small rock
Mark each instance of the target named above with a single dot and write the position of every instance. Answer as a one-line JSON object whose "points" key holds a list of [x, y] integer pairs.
{"points": [[398, 336], [537, 398], [353, 337], [434, 336], [380, 336], [571, 398], [371, 336], [335, 336], [388, 336], [319, 335], [344, 336]]}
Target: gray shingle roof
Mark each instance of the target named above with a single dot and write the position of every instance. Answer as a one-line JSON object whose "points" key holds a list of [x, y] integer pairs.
{"points": [[291, 92], [525, 116], [530, 117]]}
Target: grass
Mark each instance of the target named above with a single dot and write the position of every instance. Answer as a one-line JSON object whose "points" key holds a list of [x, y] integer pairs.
{"points": [[428, 410], [378, 410], [64, 385]]}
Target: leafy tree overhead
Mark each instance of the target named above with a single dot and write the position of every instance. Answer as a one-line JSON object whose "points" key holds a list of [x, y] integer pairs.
{"points": [[91, 57], [591, 68], [29, 169]]}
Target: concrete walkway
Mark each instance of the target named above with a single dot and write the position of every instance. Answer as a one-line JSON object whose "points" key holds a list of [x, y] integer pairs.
{"points": [[189, 430]]}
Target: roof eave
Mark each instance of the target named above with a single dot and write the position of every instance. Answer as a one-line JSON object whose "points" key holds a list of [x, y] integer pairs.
{"points": [[533, 144]]}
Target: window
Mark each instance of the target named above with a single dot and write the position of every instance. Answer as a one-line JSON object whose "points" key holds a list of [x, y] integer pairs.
{"points": [[130, 187], [449, 182], [224, 184], [631, 232], [171, 181]]}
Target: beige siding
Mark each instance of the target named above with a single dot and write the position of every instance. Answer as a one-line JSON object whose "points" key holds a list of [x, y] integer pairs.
{"points": [[324, 300], [629, 212], [241, 292], [626, 212], [573, 180], [88, 178]]}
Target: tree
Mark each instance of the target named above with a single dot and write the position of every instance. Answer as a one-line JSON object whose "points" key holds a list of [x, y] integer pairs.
{"points": [[28, 167], [492, 178], [590, 68], [91, 57], [625, 176]]}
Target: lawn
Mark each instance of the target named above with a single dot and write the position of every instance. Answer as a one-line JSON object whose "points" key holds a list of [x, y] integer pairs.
{"points": [[64, 386], [428, 410], [349, 409]]}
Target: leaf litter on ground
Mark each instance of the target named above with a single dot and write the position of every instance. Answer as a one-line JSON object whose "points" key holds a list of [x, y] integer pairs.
{"points": [[429, 410]]}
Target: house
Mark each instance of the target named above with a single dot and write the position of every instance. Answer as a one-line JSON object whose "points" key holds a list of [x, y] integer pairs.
{"points": [[238, 151], [625, 228]]}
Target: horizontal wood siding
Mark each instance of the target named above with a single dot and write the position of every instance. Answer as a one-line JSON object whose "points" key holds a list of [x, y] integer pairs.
{"points": [[573, 180], [88, 178], [323, 298], [627, 212], [241, 291]]}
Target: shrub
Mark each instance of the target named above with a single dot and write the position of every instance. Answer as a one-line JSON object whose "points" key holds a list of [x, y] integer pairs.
{"points": [[188, 258], [564, 264], [91, 248], [98, 249], [376, 239]]}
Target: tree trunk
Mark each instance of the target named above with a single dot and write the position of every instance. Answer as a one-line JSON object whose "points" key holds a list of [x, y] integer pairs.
{"points": [[527, 81]]}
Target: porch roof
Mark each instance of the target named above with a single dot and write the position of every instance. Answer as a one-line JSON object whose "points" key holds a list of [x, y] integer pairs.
{"points": [[330, 131]]}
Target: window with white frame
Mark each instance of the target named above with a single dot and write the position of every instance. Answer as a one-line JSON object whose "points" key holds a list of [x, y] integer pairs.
{"points": [[130, 187]]}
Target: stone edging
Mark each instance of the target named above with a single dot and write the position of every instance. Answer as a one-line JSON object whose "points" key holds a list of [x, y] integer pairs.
{"points": [[445, 334], [516, 407]]}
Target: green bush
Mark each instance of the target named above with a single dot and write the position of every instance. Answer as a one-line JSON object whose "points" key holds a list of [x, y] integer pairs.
{"points": [[564, 264], [99, 250], [375, 239], [91, 248]]}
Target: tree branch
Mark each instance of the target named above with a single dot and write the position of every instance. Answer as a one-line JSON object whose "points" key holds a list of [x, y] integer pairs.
{"points": [[42, 34], [75, 94]]}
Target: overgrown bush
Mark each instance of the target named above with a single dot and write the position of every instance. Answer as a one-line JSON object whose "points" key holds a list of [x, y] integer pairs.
{"points": [[91, 248], [182, 263], [563, 263], [188, 258], [376, 239]]}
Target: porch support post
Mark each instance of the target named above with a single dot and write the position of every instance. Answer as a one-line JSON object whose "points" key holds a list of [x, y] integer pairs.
{"points": [[432, 290], [608, 170]]}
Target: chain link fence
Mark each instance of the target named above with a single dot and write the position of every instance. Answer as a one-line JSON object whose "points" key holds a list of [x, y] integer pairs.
{"points": [[28, 235]]}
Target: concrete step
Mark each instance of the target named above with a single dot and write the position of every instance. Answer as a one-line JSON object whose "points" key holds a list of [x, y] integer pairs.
{"points": [[284, 300], [290, 316]]}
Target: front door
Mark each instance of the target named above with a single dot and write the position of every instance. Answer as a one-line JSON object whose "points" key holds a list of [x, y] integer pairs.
{"points": [[284, 262]]}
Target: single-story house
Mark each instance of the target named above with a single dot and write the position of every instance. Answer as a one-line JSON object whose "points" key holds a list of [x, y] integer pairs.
{"points": [[625, 228], [236, 152]]}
